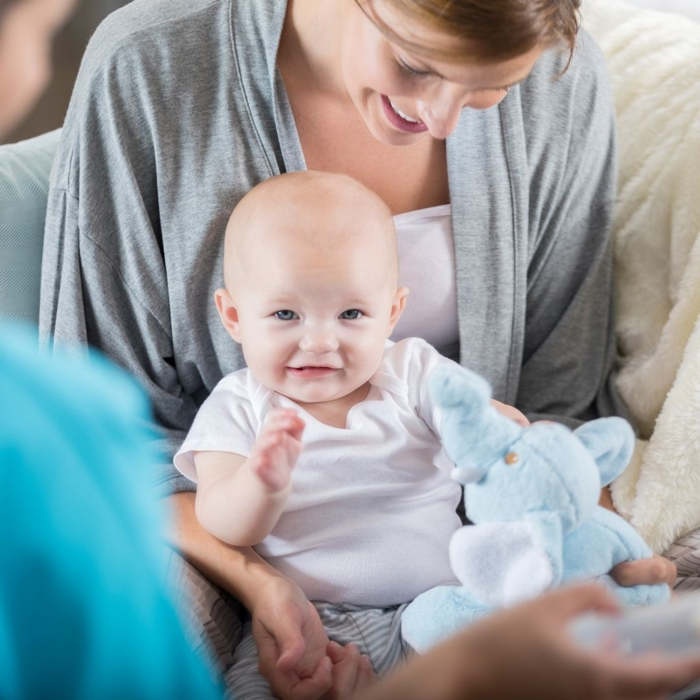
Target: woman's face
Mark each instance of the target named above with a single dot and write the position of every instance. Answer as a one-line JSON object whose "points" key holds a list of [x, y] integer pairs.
{"points": [[402, 96], [26, 30]]}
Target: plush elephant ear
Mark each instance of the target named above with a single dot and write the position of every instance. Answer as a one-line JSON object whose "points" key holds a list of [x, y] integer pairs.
{"points": [[459, 388], [473, 433], [611, 442]]}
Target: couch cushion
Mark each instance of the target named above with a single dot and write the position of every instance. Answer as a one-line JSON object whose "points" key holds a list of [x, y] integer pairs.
{"points": [[24, 182]]}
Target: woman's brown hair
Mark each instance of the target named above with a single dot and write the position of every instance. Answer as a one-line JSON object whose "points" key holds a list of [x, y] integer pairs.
{"points": [[5, 4], [486, 30]]}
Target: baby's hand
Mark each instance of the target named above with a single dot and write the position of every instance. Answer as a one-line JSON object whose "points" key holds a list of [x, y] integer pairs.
{"points": [[277, 448], [511, 412]]}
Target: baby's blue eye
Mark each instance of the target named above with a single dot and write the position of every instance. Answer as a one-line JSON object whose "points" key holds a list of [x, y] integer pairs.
{"points": [[285, 315], [351, 314]]}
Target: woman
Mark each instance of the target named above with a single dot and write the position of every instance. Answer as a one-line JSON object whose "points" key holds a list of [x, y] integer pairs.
{"points": [[182, 106]]}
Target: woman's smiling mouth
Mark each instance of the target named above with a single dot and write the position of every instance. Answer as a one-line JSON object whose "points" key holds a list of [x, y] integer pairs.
{"points": [[400, 120]]}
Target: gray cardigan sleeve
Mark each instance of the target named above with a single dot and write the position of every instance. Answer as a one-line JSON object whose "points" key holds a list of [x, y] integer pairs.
{"points": [[569, 347], [86, 300], [103, 280]]}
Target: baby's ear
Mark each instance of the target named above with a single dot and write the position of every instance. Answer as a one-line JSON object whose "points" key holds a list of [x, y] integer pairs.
{"points": [[228, 313], [611, 443], [398, 304]]}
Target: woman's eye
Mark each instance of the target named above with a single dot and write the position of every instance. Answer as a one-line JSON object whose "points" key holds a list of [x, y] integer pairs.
{"points": [[351, 314], [410, 70], [285, 315]]}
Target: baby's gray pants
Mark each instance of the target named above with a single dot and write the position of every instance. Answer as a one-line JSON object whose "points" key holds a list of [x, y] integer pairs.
{"points": [[376, 632]]}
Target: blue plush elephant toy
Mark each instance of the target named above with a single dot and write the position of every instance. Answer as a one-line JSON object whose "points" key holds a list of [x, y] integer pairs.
{"points": [[532, 494]]}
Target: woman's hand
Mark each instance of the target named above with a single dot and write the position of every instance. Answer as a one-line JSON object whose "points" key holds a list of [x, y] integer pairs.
{"points": [[291, 642], [531, 654], [528, 652], [656, 569], [511, 412]]}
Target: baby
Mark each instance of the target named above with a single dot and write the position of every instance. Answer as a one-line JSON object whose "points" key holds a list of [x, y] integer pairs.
{"points": [[324, 453]]}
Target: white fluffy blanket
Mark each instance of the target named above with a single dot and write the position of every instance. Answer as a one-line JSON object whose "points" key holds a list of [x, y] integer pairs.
{"points": [[654, 62]]}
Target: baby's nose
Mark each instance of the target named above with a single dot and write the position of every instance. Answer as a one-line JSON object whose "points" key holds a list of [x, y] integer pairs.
{"points": [[319, 340]]}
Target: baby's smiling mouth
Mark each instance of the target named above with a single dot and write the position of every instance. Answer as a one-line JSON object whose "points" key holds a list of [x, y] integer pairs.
{"points": [[312, 370]]}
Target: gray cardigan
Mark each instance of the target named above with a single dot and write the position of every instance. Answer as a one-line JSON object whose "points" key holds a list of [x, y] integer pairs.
{"points": [[179, 110]]}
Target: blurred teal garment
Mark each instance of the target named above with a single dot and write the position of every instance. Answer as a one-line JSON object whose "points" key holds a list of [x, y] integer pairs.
{"points": [[85, 610]]}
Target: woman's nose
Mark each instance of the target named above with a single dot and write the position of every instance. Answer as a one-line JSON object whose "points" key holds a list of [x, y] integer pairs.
{"points": [[318, 339], [441, 111], [441, 119]]}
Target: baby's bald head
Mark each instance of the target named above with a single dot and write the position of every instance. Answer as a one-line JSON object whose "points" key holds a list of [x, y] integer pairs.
{"points": [[310, 265], [312, 214]]}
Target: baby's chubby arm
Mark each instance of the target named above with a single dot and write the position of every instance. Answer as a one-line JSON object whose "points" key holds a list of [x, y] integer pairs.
{"points": [[239, 499]]}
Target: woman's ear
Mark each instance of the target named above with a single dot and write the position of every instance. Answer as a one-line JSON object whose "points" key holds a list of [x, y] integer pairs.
{"points": [[397, 306], [228, 313]]}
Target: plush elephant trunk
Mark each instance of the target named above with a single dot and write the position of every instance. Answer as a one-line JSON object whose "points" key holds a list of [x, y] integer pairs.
{"points": [[470, 423]]}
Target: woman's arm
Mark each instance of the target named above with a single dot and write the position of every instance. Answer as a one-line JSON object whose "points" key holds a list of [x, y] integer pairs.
{"points": [[288, 632], [240, 571], [569, 338]]}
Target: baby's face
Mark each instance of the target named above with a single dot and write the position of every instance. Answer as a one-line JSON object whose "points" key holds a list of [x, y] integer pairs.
{"points": [[312, 320]]}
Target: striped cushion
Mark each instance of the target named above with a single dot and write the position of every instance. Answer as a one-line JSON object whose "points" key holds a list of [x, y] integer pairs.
{"points": [[24, 181]]}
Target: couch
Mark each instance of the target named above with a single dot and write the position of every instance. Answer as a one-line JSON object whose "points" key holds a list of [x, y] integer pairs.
{"points": [[654, 61]]}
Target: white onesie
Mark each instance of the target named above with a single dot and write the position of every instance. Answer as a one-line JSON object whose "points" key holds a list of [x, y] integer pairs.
{"points": [[372, 505]]}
